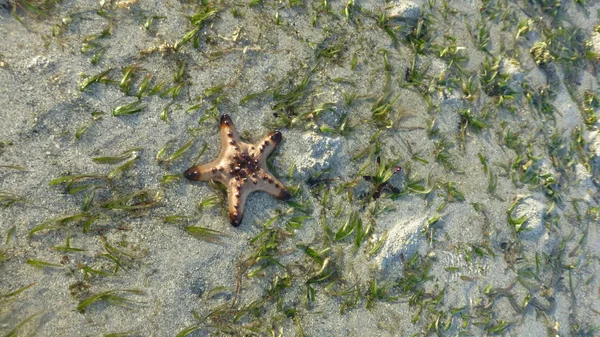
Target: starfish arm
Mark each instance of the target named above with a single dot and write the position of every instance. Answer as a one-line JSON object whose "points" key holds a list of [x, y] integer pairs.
{"points": [[266, 145], [206, 172], [237, 193], [271, 185], [228, 132]]}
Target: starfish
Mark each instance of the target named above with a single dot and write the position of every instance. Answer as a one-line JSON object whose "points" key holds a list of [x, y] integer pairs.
{"points": [[242, 168]]}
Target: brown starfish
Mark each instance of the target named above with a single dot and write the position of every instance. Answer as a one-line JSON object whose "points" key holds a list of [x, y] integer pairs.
{"points": [[242, 168]]}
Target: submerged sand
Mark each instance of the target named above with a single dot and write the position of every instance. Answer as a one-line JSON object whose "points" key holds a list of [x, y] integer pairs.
{"points": [[443, 156]]}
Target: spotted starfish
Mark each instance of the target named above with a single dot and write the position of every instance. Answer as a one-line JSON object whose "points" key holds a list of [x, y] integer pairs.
{"points": [[242, 168]]}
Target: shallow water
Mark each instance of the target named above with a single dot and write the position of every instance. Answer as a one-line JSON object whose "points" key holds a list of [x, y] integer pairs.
{"points": [[443, 158]]}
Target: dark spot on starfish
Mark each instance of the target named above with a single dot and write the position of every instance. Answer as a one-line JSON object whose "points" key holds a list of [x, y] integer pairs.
{"points": [[266, 142], [284, 195], [192, 173], [213, 170], [225, 119], [231, 142], [235, 219], [221, 168], [229, 133], [276, 137]]}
